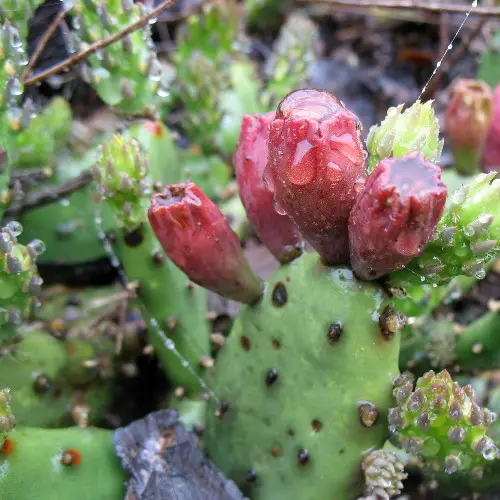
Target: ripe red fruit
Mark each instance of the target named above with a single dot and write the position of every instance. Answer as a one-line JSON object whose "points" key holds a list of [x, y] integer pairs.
{"points": [[315, 166], [396, 215]]}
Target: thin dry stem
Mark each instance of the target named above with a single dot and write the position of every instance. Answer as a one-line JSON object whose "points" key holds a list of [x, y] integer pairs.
{"points": [[100, 44]]}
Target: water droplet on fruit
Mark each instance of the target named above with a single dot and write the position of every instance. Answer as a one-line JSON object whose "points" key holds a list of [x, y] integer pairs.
{"points": [[278, 208], [303, 168]]}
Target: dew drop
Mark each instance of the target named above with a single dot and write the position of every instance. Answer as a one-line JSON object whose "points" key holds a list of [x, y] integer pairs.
{"points": [[279, 208], [303, 168], [14, 228], [334, 172]]}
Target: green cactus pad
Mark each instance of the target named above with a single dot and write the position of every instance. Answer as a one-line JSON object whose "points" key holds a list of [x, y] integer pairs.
{"points": [[7, 419], [466, 238], [44, 376], [442, 422], [19, 13], [403, 132], [126, 74], [61, 463], [304, 382]]}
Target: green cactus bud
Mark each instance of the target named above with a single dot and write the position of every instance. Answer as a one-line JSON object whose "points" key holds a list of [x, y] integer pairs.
{"points": [[384, 474], [294, 52], [122, 172], [442, 422], [465, 240], [19, 281], [403, 132], [7, 419]]}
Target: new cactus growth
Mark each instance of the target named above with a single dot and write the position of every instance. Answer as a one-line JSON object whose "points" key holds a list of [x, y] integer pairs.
{"points": [[384, 475], [491, 152], [170, 302], [316, 167], [196, 236], [277, 231], [442, 422], [467, 120], [288, 68], [395, 216], [19, 280], [126, 74], [402, 132]]}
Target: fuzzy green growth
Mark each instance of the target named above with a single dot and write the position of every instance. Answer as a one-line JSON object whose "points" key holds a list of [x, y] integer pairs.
{"points": [[442, 422], [19, 281], [61, 463], [126, 74], [466, 238], [122, 173], [403, 132], [294, 52], [384, 474], [7, 419]]}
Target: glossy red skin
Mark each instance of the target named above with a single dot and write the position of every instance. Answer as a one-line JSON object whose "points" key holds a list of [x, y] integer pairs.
{"points": [[276, 231], [396, 215], [316, 162], [463, 128], [197, 238], [491, 154]]}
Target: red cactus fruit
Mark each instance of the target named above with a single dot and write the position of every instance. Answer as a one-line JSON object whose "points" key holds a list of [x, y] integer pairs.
{"points": [[396, 215], [491, 152], [315, 166], [277, 231], [467, 120], [197, 238]]}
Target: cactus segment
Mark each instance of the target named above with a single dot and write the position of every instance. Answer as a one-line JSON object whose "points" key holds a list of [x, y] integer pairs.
{"points": [[467, 120], [402, 132], [19, 13], [465, 241], [61, 463], [319, 351], [315, 167], [169, 301], [127, 74], [49, 383], [294, 52], [19, 280], [442, 422]]}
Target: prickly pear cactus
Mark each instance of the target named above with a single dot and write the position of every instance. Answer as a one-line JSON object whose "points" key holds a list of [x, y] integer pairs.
{"points": [[61, 463], [304, 383], [126, 74], [172, 305], [384, 474], [19, 279], [442, 422], [7, 419]]}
